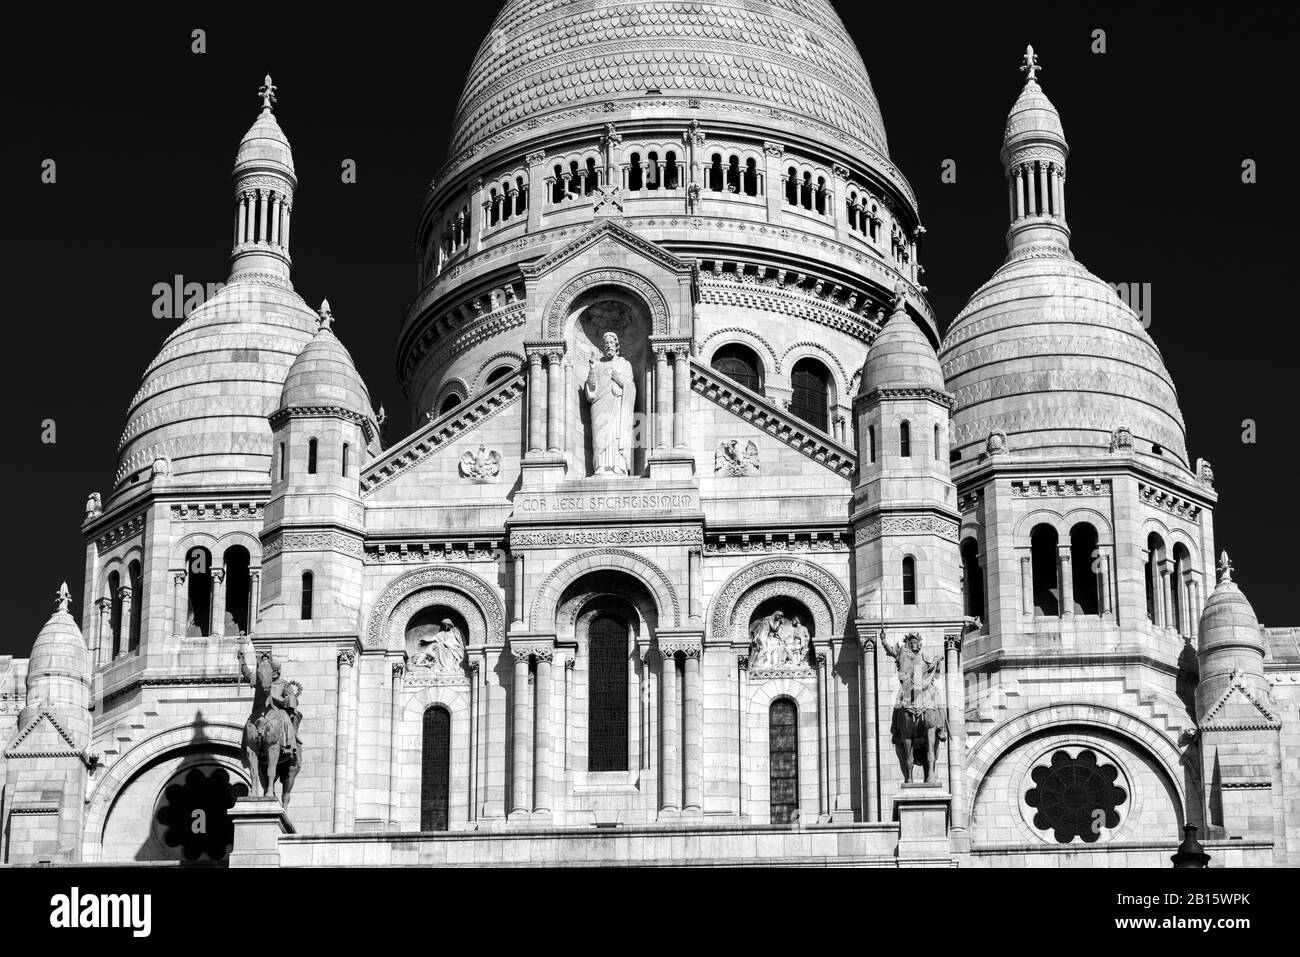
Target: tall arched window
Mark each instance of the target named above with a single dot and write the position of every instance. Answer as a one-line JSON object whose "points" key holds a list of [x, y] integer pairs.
{"points": [[311, 457], [909, 580], [739, 363], [973, 577], [810, 392], [905, 440], [1045, 571], [607, 704], [236, 560], [137, 602], [115, 611], [449, 403], [198, 573], [1085, 569], [1151, 574], [307, 583], [435, 769], [282, 461], [783, 760]]}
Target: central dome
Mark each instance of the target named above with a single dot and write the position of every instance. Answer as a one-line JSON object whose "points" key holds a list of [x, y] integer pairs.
{"points": [[558, 58]]}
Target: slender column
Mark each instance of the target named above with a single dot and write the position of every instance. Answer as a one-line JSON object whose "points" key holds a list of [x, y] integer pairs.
{"points": [[178, 604], [394, 733], [742, 758], [1105, 605], [104, 642], [523, 744], [870, 767], [1051, 188], [1011, 197], [542, 754], [1066, 583], [1185, 606], [692, 729], [263, 202], [1026, 587], [956, 725], [494, 744], [681, 397], [663, 398], [1196, 608], [694, 568], [839, 687], [275, 219], [1060, 194], [1165, 601], [1018, 178], [535, 402], [475, 764], [1153, 564], [217, 611], [519, 591], [823, 742], [670, 763], [1031, 192], [342, 732], [1042, 188], [254, 598], [284, 238], [241, 220], [553, 372]]}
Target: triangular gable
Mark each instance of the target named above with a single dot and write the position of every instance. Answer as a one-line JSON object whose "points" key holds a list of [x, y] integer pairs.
{"points": [[1220, 716], [607, 231], [41, 735]]}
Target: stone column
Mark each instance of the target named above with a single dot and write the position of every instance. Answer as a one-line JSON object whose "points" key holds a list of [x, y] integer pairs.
{"points": [[263, 210], [1042, 188], [663, 398], [523, 744], [394, 734], [1153, 581], [1066, 582], [1165, 598], [254, 597], [681, 396], [1060, 194], [670, 762], [692, 729], [823, 741], [342, 731], [475, 202], [539, 189], [1026, 586], [217, 610], [494, 745], [1105, 606], [839, 687], [1017, 175], [553, 372], [870, 768], [104, 644], [773, 153], [241, 219], [519, 592], [275, 219], [543, 742], [178, 604], [953, 692], [1031, 191], [284, 236], [536, 399], [1196, 609], [694, 569], [124, 624]]}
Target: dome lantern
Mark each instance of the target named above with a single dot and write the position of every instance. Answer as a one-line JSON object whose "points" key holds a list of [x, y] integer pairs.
{"points": [[1033, 157], [264, 189]]}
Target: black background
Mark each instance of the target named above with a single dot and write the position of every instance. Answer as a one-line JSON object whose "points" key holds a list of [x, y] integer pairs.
{"points": [[144, 134]]}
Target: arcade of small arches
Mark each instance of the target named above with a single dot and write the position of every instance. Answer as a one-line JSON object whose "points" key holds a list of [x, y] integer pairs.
{"points": [[812, 385]]}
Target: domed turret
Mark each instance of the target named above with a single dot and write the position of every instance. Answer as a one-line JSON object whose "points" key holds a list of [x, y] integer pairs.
{"points": [[901, 356], [1046, 352], [1230, 640], [58, 672], [324, 374]]}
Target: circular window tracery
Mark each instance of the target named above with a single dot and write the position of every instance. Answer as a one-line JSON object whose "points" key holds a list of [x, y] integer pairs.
{"points": [[1075, 796], [194, 813]]}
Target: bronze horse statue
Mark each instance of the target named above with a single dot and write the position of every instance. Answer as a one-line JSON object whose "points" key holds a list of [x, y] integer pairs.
{"points": [[271, 748]]}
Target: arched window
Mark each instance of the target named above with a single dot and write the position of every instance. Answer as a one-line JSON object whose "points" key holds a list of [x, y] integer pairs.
{"points": [[740, 364], [435, 769], [1045, 571], [607, 703], [1151, 574], [347, 450], [715, 173], [115, 611], [905, 440], [449, 403], [936, 442], [590, 180], [521, 196], [500, 372], [635, 175], [198, 573], [1085, 569], [652, 171], [311, 456], [733, 174], [783, 760], [909, 580], [810, 392], [792, 187], [806, 192], [137, 602], [307, 582], [236, 619], [972, 578], [871, 443], [751, 177], [820, 195]]}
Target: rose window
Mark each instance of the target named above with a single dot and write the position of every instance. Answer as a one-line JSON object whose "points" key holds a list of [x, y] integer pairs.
{"points": [[1075, 797]]}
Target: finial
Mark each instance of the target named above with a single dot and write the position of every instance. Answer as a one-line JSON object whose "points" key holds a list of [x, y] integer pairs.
{"points": [[1225, 567], [267, 93], [1030, 67], [63, 598], [326, 317]]}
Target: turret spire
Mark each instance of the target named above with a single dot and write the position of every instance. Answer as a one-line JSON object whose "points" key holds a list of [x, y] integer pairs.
{"points": [[63, 599], [264, 190], [326, 317], [1033, 156]]}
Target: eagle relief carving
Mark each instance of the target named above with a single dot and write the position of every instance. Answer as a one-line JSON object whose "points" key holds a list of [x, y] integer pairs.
{"points": [[481, 466], [730, 460]]}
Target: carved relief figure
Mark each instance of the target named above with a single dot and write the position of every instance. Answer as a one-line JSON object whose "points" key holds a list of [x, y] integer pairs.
{"points": [[481, 465], [727, 460], [443, 650], [920, 720], [778, 642], [611, 391]]}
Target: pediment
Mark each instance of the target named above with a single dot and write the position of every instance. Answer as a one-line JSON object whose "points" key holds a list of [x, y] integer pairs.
{"points": [[42, 735], [608, 240], [1238, 708]]}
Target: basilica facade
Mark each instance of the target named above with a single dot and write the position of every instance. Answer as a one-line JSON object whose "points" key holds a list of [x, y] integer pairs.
{"points": [[703, 544]]}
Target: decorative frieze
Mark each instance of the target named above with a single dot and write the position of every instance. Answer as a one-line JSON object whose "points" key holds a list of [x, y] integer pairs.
{"points": [[216, 511], [906, 525], [311, 542], [129, 528], [1060, 488], [1169, 501], [426, 551], [732, 543], [583, 537]]}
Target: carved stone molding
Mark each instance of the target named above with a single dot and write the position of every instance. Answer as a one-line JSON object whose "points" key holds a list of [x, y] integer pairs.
{"points": [[558, 312], [437, 581], [585, 537], [660, 585], [813, 585], [906, 525]]}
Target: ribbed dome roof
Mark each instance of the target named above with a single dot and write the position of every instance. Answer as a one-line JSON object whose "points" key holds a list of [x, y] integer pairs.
{"points": [[1032, 118], [560, 59], [1229, 620], [264, 144], [205, 398], [59, 650], [901, 357], [1049, 354], [324, 375]]}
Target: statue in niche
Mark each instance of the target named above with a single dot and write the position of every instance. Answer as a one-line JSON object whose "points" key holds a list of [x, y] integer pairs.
{"points": [[920, 721], [778, 642], [442, 650], [728, 460], [611, 392]]}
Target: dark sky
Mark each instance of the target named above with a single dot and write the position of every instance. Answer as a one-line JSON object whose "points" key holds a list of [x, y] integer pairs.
{"points": [[144, 134]]}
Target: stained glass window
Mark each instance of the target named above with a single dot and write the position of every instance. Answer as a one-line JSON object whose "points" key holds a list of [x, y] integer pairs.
{"points": [[783, 752], [607, 717], [435, 775]]}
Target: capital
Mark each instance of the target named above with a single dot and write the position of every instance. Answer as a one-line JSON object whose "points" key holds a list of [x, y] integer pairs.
{"points": [[347, 658]]}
